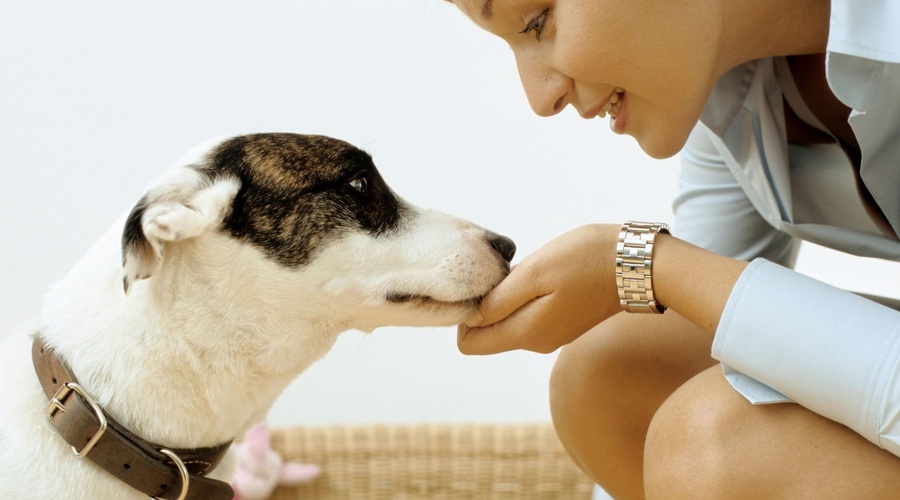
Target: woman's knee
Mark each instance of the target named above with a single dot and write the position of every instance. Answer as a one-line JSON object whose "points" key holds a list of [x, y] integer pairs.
{"points": [[593, 368], [690, 447], [577, 369], [592, 401], [583, 359], [707, 441], [606, 386], [628, 358]]}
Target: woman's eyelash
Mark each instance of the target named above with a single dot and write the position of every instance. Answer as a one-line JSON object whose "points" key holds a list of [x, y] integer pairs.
{"points": [[536, 25]]}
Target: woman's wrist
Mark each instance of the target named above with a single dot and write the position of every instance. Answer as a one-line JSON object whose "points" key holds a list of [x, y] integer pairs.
{"points": [[693, 281]]}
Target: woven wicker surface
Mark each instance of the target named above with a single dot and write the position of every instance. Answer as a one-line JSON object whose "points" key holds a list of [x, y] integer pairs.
{"points": [[453, 461]]}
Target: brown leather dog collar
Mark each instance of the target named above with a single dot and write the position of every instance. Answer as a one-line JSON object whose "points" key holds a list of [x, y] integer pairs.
{"points": [[147, 467]]}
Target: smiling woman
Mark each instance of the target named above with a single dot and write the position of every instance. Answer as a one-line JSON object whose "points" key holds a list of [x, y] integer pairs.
{"points": [[773, 154], [564, 58]]}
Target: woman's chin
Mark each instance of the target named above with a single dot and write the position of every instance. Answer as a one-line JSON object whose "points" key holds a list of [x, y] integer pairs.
{"points": [[662, 144]]}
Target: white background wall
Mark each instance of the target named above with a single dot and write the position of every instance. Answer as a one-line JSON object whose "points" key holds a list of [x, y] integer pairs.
{"points": [[98, 97]]}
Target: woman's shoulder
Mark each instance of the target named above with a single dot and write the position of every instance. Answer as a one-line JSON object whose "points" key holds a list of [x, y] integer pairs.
{"points": [[870, 31]]}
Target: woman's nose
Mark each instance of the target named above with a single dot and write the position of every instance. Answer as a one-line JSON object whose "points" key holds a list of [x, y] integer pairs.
{"points": [[545, 87]]}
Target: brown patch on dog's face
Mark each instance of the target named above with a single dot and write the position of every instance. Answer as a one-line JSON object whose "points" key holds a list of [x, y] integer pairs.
{"points": [[298, 192], [289, 162]]}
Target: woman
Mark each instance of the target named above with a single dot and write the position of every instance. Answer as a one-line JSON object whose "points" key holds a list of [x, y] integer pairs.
{"points": [[787, 115]]}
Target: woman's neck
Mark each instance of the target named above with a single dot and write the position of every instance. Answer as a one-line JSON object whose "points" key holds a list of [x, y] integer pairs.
{"points": [[768, 28]]}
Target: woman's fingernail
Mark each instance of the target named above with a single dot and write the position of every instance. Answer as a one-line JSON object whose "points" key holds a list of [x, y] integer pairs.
{"points": [[474, 319]]}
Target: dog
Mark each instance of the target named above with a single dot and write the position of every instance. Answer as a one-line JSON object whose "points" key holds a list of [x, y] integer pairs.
{"points": [[235, 271]]}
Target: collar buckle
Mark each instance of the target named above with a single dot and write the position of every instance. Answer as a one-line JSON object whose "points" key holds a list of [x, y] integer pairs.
{"points": [[57, 403]]}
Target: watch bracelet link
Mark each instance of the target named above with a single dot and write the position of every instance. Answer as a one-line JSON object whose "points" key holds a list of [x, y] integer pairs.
{"points": [[634, 262]]}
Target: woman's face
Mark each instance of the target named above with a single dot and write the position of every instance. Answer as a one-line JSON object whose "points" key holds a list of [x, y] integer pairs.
{"points": [[648, 62]]}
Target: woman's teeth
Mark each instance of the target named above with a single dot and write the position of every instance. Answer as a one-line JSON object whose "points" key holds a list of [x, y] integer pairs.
{"points": [[612, 107]]}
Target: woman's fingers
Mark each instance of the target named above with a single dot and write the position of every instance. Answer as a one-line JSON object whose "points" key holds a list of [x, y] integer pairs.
{"points": [[515, 291], [514, 331], [555, 294]]}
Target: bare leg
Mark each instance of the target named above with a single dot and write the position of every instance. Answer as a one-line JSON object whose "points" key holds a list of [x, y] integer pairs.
{"points": [[607, 385], [707, 441]]}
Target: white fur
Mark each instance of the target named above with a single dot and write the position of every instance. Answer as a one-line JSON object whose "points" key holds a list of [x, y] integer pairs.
{"points": [[198, 353]]}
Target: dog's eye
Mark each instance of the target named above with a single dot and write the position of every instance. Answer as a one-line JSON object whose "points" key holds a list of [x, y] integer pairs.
{"points": [[360, 184]]}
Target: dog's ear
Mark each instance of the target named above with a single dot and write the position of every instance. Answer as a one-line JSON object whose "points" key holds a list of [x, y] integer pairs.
{"points": [[185, 204]]}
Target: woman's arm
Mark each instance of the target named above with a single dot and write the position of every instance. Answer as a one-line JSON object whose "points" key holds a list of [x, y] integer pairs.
{"points": [[835, 353], [568, 286]]}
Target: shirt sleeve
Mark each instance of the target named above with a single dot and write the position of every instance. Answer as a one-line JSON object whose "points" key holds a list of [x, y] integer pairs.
{"points": [[712, 211], [833, 352]]}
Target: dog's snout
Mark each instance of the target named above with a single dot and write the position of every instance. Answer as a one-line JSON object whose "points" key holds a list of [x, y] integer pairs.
{"points": [[503, 245]]}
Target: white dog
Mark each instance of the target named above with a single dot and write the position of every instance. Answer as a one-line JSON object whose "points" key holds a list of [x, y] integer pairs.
{"points": [[182, 325]]}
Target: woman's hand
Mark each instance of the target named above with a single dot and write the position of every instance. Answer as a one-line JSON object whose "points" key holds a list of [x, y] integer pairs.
{"points": [[551, 298]]}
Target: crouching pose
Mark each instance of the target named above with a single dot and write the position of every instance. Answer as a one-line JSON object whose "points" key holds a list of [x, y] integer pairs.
{"points": [[787, 118]]}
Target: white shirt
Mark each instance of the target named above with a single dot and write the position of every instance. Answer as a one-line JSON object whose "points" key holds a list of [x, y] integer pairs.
{"points": [[784, 336]]}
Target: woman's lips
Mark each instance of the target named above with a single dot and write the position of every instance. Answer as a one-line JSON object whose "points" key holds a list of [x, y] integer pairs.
{"points": [[611, 107]]}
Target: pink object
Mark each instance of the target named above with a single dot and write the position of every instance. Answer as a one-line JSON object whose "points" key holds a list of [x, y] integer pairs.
{"points": [[260, 468]]}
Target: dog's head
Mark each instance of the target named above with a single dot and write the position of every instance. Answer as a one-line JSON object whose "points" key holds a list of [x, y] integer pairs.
{"points": [[286, 217]]}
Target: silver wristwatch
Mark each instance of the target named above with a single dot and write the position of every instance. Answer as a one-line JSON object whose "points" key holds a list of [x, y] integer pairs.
{"points": [[634, 259]]}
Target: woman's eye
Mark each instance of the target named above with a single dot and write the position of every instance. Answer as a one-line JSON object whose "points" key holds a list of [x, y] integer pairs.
{"points": [[360, 184], [536, 25]]}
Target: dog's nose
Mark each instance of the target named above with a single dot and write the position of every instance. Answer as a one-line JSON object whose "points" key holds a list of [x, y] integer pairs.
{"points": [[503, 245]]}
